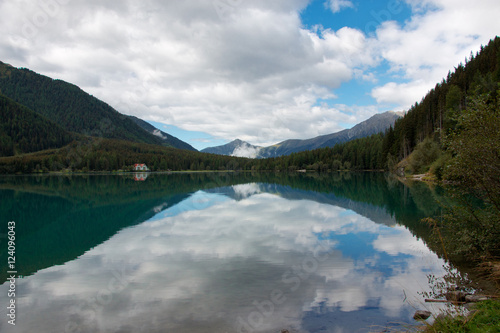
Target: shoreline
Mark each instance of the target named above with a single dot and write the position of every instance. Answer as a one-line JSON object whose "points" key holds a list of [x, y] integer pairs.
{"points": [[120, 172]]}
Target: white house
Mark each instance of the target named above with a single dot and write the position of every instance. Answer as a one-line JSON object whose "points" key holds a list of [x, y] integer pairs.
{"points": [[140, 167]]}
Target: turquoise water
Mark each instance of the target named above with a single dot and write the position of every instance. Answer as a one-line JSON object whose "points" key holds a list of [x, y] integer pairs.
{"points": [[216, 252]]}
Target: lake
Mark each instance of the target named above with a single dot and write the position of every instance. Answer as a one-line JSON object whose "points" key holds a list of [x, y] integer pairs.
{"points": [[209, 252]]}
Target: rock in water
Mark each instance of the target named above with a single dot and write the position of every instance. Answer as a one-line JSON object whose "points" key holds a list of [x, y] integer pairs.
{"points": [[421, 315]]}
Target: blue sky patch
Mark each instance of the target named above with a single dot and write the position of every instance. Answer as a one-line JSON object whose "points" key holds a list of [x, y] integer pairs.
{"points": [[365, 16]]}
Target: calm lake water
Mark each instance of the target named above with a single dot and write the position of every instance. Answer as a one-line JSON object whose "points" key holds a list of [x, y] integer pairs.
{"points": [[216, 252]]}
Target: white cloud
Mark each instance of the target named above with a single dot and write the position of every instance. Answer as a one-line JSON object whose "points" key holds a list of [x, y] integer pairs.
{"points": [[181, 271], [158, 134], [246, 150], [337, 5], [248, 69], [231, 74], [402, 243], [246, 190], [439, 36], [402, 94]]}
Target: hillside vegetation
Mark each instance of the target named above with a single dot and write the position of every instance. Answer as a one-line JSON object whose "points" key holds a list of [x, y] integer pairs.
{"points": [[427, 130], [69, 107], [453, 133], [166, 138], [374, 125], [98, 154], [437, 113], [24, 131]]}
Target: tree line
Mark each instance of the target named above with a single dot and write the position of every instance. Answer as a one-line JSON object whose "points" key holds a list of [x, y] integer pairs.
{"points": [[24, 131], [69, 106], [436, 114], [434, 117]]}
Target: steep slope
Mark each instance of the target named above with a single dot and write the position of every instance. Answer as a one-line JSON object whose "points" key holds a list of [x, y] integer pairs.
{"points": [[98, 154], [69, 106], [438, 110], [433, 122], [24, 131], [376, 124], [167, 138], [235, 148]]}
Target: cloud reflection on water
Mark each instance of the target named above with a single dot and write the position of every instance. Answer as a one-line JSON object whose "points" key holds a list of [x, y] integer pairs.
{"points": [[204, 270]]}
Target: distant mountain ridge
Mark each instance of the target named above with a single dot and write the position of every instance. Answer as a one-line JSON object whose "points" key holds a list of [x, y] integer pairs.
{"points": [[233, 148], [74, 110], [376, 124], [167, 138]]}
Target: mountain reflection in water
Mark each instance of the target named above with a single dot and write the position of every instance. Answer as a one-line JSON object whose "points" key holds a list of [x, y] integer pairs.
{"points": [[217, 253]]}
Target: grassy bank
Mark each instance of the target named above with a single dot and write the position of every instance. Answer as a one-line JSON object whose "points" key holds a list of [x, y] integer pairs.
{"points": [[484, 317]]}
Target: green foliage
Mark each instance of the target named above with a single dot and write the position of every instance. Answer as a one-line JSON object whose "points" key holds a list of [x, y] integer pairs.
{"points": [[24, 131], [439, 166], [423, 156], [76, 111], [359, 154], [336, 165], [98, 154], [454, 99], [462, 112], [484, 318], [392, 162], [68, 106], [475, 165], [476, 149], [441, 107]]}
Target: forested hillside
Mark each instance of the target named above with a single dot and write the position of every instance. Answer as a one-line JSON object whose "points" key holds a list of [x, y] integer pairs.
{"points": [[24, 131], [229, 148], [422, 131], [359, 154], [69, 106], [376, 124], [98, 154], [168, 139], [429, 130], [438, 111]]}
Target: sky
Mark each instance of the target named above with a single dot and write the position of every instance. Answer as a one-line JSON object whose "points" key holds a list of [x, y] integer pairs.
{"points": [[263, 71]]}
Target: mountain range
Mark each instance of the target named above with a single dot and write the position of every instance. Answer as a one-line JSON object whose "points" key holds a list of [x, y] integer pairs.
{"points": [[35, 104], [376, 124], [39, 113], [65, 129], [167, 138]]}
